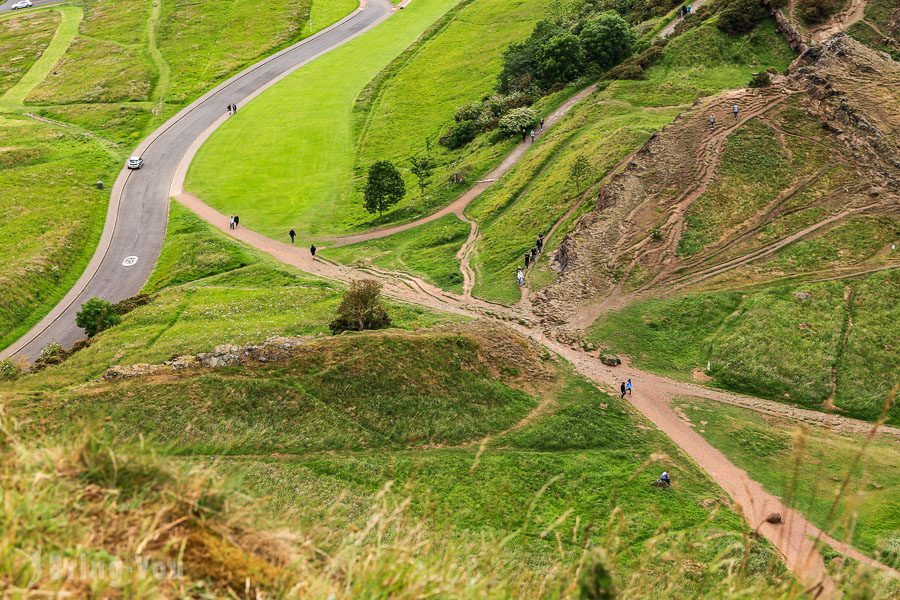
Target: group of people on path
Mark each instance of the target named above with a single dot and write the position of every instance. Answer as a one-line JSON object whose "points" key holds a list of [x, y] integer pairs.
{"points": [[530, 258], [232, 108], [233, 222], [626, 387], [533, 133], [684, 10], [735, 112], [312, 247]]}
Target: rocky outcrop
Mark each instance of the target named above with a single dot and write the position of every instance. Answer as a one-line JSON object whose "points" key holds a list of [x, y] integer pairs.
{"points": [[274, 348]]}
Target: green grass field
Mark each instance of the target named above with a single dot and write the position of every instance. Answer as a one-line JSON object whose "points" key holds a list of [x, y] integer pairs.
{"points": [[428, 251], [808, 468], [778, 343], [616, 121], [106, 73]]}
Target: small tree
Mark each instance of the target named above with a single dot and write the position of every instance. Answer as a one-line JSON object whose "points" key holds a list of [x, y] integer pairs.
{"points": [[361, 308], [384, 187], [607, 39], [423, 167], [95, 315], [581, 170], [560, 60]]}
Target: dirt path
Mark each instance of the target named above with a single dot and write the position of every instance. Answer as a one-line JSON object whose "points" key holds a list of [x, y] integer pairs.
{"points": [[839, 22], [670, 28], [458, 206], [794, 538]]}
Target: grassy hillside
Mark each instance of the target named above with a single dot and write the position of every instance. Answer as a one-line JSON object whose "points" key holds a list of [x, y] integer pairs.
{"points": [[207, 290], [98, 73], [790, 343], [616, 121], [564, 466], [808, 469]]}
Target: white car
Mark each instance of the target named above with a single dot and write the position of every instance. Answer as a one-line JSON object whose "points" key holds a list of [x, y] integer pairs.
{"points": [[135, 162], [22, 4]]}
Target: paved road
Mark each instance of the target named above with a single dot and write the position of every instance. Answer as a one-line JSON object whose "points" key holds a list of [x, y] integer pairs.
{"points": [[138, 211], [5, 6]]}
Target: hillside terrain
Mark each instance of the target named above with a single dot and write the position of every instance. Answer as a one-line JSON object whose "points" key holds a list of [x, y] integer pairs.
{"points": [[60, 136], [717, 202]]}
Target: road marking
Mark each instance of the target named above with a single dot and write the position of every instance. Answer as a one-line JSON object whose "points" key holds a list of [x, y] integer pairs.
{"points": [[129, 261]]}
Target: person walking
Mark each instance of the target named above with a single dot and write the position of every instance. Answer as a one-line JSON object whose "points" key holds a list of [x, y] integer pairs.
{"points": [[524, 134], [293, 234], [312, 250], [230, 222], [540, 242], [622, 389], [542, 123], [527, 259], [237, 221], [532, 136], [520, 277], [234, 109], [629, 386], [533, 255], [735, 110], [712, 120]]}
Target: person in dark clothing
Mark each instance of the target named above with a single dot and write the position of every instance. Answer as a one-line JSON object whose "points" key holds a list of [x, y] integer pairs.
{"points": [[312, 250], [542, 124], [293, 234], [622, 388], [540, 243], [527, 259], [237, 221], [524, 134]]}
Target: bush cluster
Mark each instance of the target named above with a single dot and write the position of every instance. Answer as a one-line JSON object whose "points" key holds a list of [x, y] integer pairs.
{"points": [[476, 117], [813, 12], [361, 308], [737, 17], [563, 49]]}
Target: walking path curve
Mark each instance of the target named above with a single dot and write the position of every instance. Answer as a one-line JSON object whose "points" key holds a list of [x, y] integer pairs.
{"points": [[138, 210], [795, 537]]}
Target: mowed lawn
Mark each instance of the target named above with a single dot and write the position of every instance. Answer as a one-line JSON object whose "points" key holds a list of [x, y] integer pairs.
{"points": [[304, 165]]}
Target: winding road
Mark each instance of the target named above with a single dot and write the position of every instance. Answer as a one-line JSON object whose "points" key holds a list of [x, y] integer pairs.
{"points": [[138, 209]]}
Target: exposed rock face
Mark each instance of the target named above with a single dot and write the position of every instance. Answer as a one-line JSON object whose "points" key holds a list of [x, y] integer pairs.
{"points": [[630, 241], [273, 348]]}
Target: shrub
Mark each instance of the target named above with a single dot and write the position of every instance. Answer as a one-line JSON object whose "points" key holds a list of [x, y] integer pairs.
{"points": [[467, 112], [51, 354], [361, 308], [560, 60], [812, 12], [607, 39], [518, 119], [761, 79], [97, 314], [627, 70], [8, 371], [459, 134], [741, 16], [129, 304]]}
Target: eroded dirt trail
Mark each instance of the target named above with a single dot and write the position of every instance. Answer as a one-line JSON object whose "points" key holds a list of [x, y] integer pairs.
{"points": [[794, 538]]}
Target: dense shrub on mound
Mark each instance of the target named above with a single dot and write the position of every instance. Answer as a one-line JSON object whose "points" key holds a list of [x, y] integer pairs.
{"points": [[459, 134], [738, 17], [761, 79], [607, 39], [361, 308], [97, 314], [813, 12]]}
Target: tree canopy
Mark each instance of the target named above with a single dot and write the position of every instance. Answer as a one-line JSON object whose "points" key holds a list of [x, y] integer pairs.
{"points": [[384, 187]]}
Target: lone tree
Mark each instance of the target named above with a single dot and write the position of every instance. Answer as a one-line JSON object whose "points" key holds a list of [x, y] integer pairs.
{"points": [[384, 187], [423, 167], [607, 39], [95, 315], [361, 308], [580, 171]]}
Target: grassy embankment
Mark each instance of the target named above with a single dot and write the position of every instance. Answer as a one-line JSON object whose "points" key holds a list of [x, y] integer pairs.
{"points": [[784, 343], [112, 73], [390, 88], [808, 468], [616, 121]]}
